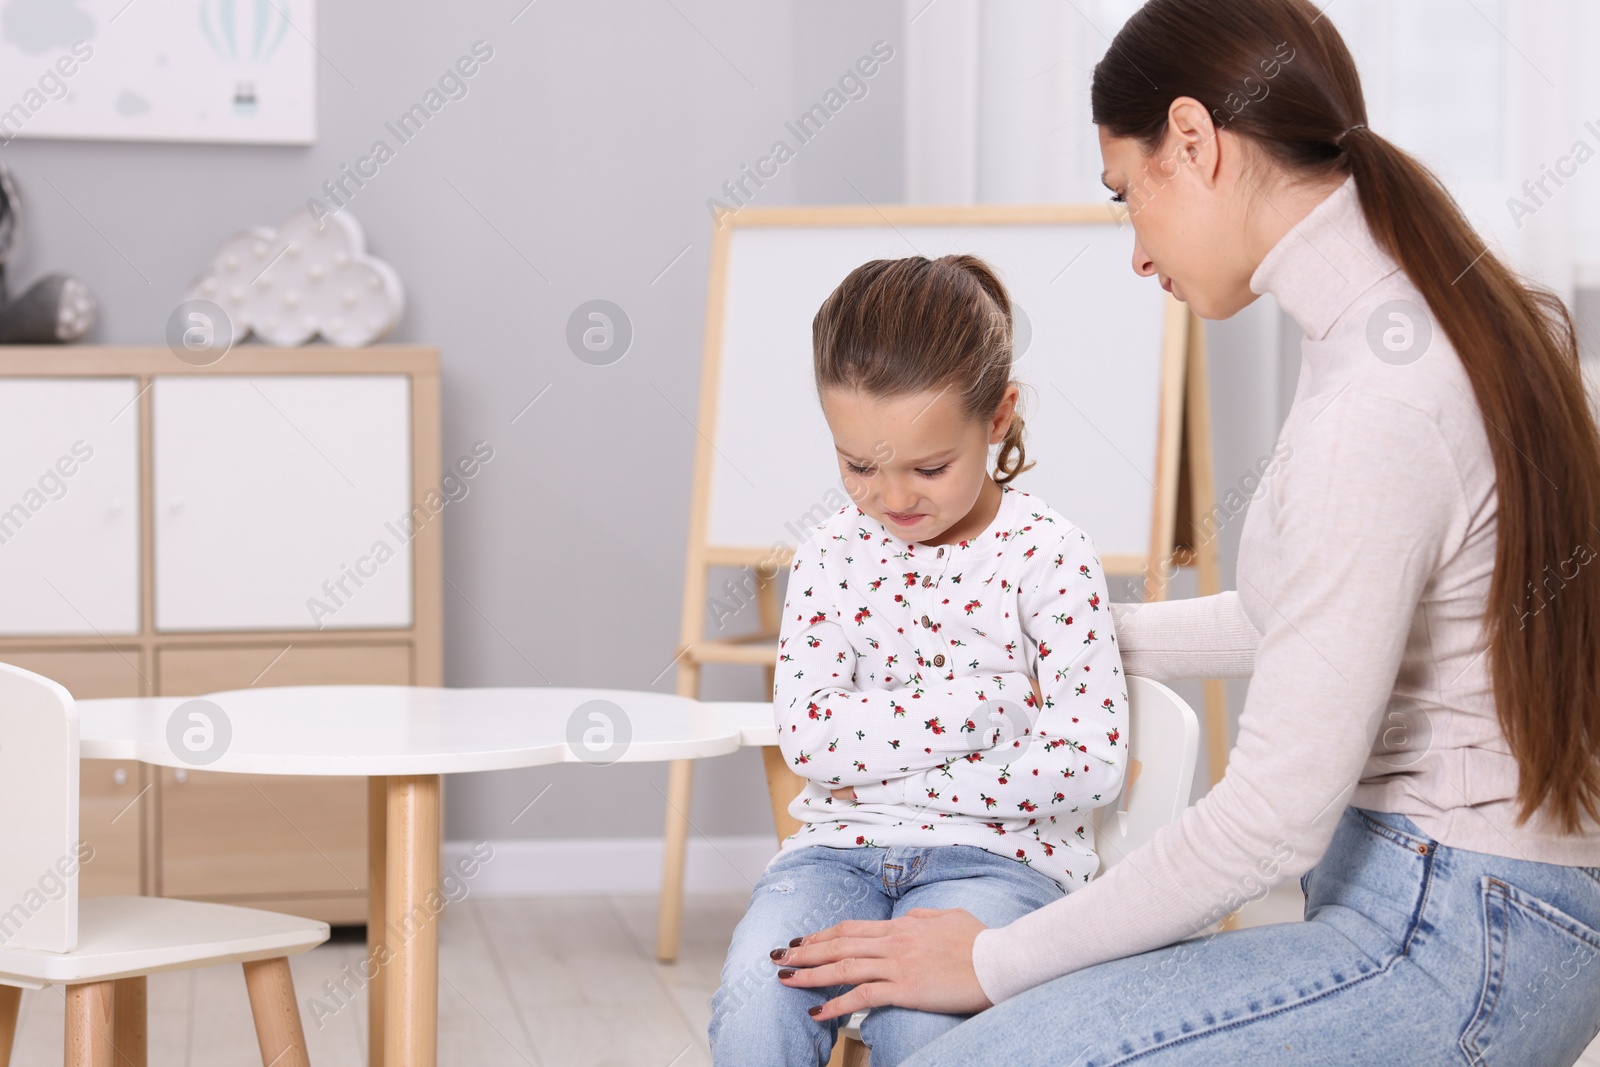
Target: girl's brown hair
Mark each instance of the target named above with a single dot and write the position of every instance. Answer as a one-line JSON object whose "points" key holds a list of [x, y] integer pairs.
{"points": [[1515, 340], [897, 327]]}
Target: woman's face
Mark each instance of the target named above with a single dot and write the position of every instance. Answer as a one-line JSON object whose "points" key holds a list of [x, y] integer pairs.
{"points": [[1183, 200], [916, 463]]}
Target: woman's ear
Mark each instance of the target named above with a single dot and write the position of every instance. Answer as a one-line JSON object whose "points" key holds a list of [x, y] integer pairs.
{"points": [[1192, 138]]}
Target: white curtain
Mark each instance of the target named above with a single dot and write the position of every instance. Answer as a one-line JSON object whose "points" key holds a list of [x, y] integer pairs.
{"points": [[1491, 94]]}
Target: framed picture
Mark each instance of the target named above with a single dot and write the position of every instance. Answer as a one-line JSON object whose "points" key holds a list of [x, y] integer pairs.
{"points": [[240, 71]]}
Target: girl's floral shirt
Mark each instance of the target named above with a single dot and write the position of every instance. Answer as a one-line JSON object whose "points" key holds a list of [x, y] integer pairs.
{"points": [[905, 670]]}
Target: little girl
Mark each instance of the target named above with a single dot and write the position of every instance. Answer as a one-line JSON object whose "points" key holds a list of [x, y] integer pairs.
{"points": [[939, 773]]}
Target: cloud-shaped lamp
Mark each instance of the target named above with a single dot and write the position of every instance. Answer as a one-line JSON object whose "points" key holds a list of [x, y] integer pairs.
{"points": [[303, 279]]}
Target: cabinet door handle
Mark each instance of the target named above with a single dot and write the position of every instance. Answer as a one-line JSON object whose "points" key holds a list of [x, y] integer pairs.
{"points": [[119, 776], [180, 776]]}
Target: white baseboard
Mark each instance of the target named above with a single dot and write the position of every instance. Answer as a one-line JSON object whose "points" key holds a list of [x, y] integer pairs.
{"points": [[569, 867]]}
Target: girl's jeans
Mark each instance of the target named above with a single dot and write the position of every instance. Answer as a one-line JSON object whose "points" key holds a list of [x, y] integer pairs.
{"points": [[756, 1020], [1413, 953]]}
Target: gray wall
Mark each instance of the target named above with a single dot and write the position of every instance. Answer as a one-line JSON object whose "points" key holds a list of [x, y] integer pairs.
{"points": [[577, 166]]}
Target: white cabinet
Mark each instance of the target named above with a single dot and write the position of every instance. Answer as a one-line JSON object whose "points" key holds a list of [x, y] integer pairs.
{"points": [[69, 506], [282, 502]]}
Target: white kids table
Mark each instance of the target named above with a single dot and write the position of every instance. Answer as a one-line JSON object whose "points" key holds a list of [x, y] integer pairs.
{"points": [[402, 739]]}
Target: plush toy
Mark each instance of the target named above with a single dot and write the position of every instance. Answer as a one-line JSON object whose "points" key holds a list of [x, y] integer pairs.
{"points": [[56, 308]]}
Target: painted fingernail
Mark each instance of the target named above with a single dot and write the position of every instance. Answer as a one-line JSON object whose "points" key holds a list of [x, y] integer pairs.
{"points": [[817, 1010], [795, 942], [787, 972], [779, 953]]}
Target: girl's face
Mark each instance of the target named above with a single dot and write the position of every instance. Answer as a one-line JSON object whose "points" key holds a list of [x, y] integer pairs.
{"points": [[916, 463]]}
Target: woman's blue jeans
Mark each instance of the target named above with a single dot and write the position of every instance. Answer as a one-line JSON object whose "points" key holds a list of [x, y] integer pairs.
{"points": [[758, 1021], [1413, 953]]}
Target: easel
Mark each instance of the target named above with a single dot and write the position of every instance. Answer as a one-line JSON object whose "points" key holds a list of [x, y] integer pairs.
{"points": [[1183, 483]]}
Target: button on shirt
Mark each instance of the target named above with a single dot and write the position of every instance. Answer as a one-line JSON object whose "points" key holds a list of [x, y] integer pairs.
{"points": [[905, 670]]}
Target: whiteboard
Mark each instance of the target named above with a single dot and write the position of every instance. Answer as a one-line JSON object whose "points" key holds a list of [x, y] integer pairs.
{"points": [[1091, 369]]}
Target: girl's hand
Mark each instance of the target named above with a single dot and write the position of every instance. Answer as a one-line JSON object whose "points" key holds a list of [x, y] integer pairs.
{"points": [[846, 793], [922, 960]]}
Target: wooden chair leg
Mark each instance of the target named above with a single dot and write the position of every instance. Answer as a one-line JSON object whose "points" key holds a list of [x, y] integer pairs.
{"points": [[282, 1041], [89, 1024], [855, 1053], [129, 1037], [10, 1003]]}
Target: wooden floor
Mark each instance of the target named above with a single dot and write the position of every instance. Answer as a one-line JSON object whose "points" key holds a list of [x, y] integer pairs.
{"points": [[546, 981]]}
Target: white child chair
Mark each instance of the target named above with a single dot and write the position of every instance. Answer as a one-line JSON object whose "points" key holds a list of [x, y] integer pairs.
{"points": [[102, 949], [1163, 743]]}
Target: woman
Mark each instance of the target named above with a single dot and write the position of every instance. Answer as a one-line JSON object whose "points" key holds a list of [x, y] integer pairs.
{"points": [[1415, 611]]}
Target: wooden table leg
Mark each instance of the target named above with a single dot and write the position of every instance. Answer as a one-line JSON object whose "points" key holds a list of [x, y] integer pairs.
{"points": [[129, 1035], [377, 876], [10, 1004], [88, 1037], [669, 914], [411, 986]]}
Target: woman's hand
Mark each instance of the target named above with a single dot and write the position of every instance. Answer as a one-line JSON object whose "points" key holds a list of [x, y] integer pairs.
{"points": [[846, 793], [1038, 697], [922, 960]]}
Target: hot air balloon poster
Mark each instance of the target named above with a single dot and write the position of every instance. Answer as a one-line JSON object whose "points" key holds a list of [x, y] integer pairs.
{"points": [[159, 70]]}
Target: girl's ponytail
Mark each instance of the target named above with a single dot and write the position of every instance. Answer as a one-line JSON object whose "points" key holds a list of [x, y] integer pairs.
{"points": [[1013, 457]]}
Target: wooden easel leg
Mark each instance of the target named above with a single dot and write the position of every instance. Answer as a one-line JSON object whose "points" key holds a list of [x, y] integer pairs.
{"points": [[89, 1023], [1207, 560], [411, 986], [10, 1005], [669, 917], [129, 1033], [377, 876], [278, 1030], [783, 785]]}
